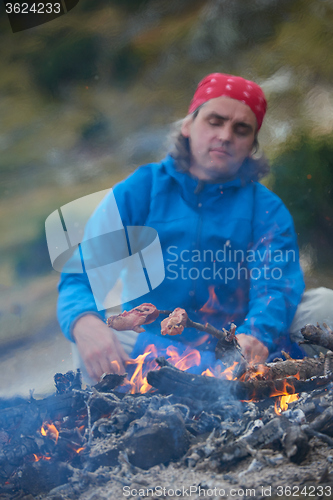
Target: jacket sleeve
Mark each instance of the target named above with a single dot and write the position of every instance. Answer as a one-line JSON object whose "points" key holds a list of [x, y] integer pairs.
{"points": [[104, 241], [276, 278]]}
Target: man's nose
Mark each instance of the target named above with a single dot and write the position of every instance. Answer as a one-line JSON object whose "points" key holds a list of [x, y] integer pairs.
{"points": [[226, 133]]}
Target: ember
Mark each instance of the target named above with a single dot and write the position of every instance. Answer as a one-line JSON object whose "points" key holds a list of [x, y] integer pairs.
{"points": [[50, 430]]}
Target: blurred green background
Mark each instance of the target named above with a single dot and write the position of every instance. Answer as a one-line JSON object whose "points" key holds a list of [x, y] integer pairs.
{"points": [[89, 96]]}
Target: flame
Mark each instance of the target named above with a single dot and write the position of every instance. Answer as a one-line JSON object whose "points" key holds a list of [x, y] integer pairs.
{"points": [[79, 450], [228, 372], [281, 404], [37, 458], [138, 380], [212, 305], [50, 430], [255, 372], [189, 358], [208, 373], [287, 395]]}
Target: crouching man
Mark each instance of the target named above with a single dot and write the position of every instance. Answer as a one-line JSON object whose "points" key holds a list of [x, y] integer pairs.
{"points": [[228, 243]]}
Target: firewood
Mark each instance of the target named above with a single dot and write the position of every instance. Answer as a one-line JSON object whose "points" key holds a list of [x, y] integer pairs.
{"points": [[301, 368], [109, 382], [169, 381], [316, 335]]}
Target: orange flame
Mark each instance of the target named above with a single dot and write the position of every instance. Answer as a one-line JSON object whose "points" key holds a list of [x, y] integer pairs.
{"points": [[287, 395], [212, 305], [79, 450], [50, 430], [189, 358], [37, 458], [208, 373], [138, 381], [228, 372], [255, 372], [281, 404]]}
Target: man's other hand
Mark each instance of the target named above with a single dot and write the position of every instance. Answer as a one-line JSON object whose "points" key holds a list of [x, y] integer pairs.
{"points": [[253, 350], [99, 347]]}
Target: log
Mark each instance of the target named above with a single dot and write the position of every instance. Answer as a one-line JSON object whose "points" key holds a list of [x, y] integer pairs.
{"points": [[316, 335], [199, 387], [301, 368]]}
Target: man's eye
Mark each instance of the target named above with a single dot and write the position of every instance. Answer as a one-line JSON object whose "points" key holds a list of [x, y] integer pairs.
{"points": [[242, 131], [215, 123]]}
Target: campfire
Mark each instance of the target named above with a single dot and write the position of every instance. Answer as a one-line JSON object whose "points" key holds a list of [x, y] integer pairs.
{"points": [[246, 424]]}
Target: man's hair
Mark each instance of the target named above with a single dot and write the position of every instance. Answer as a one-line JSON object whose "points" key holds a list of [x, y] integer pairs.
{"points": [[252, 168]]}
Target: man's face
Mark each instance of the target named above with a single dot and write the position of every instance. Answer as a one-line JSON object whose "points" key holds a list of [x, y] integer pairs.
{"points": [[221, 137]]}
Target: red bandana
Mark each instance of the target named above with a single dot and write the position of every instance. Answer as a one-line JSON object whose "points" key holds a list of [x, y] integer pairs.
{"points": [[219, 84]]}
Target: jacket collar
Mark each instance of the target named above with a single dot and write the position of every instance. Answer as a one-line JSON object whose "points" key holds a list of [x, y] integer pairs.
{"points": [[195, 186]]}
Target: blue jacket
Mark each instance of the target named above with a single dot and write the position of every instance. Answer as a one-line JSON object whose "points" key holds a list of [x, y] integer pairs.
{"points": [[235, 240]]}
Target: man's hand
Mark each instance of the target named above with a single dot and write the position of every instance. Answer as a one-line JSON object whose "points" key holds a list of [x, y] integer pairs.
{"points": [[253, 350], [99, 347]]}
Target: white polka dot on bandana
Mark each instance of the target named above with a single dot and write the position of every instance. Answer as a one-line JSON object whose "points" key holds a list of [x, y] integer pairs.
{"points": [[228, 87], [209, 90], [230, 80], [213, 80], [246, 94]]}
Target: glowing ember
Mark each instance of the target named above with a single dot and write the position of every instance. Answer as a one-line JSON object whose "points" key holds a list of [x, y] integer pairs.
{"points": [[37, 458], [255, 372], [50, 431]]}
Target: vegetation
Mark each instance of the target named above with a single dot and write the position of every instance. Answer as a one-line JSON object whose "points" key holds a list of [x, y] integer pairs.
{"points": [[304, 180]]}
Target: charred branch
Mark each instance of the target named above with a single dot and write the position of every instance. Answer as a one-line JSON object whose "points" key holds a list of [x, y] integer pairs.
{"points": [[169, 381], [316, 335], [303, 369]]}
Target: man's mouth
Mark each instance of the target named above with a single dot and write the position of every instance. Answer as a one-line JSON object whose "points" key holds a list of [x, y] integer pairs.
{"points": [[221, 151]]}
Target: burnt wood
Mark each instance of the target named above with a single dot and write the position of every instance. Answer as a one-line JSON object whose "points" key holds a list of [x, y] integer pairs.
{"points": [[170, 381], [302, 368], [316, 335]]}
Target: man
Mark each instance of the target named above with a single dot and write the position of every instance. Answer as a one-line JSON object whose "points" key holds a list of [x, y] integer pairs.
{"points": [[222, 233]]}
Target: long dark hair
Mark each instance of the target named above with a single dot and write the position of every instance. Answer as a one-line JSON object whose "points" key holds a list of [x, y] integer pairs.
{"points": [[253, 168]]}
